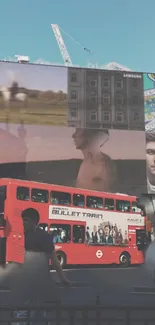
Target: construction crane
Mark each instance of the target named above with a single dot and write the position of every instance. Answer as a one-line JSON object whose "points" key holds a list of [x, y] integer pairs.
{"points": [[66, 57], [61, 44]]}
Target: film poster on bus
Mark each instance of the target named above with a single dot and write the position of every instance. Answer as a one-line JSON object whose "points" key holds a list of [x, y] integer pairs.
{"points": [[102, 227]]}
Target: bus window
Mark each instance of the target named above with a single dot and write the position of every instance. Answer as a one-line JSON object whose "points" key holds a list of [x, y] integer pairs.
{"points": [[38, 195], [94, 202], [135, 208], [78, 200], [61, 198], [78, 234], [23, 193], [60, 233], [43, 226], [109, 204], [123, 206]]}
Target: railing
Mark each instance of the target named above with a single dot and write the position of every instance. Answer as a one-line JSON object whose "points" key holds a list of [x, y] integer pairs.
{"points": [[58, 314]]}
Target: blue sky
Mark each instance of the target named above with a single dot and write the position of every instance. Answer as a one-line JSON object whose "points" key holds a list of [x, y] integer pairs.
{"points": [[115, 30]]}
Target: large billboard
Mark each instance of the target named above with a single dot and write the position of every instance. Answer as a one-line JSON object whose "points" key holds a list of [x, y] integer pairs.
{"points": [[102, 160], [74, 127], [149, 110], [149, 101], [37, 94], [105, 99]]}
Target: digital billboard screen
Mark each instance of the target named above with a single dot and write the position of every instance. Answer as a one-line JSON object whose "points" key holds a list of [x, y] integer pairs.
{"points": [[81, 128], [102, 160], [75, 127], [149, 113], [35, 94], [105, 99]]}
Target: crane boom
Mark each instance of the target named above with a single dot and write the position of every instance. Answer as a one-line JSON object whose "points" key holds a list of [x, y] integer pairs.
{"points": [[66, 57], [61, 45]]}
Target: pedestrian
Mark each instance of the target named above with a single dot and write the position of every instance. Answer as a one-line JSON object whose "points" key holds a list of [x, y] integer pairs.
{"points": [[39, 248], [34, 284]]}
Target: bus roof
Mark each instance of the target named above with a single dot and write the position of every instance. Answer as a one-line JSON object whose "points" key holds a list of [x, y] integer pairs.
{"points": [[20, 182]]}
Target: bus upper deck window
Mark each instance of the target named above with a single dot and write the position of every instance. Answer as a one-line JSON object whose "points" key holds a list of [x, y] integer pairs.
{"points": [[123, 206], [109, 204], [94, 202], [40, 196], [78, 200], [23, 193], [61, 198]]}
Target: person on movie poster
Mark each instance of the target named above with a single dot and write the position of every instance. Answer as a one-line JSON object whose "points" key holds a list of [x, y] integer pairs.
{"points": [[108, 239], [87, 235], [101, 235], [94, 235], [106, 234]]}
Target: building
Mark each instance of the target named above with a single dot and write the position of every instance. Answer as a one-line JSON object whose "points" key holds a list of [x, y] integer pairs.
{"points": [[105, 99]]}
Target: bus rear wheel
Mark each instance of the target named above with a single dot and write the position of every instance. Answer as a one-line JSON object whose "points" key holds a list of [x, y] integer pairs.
{"points": [[124, 259], [61, 256]]}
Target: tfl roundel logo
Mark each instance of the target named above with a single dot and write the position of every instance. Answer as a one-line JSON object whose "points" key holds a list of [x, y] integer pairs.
{"points": [[99, 254]]}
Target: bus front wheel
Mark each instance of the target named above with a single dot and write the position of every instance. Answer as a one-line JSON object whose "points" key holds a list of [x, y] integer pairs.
{"points": [[124, 259], [61, 256]]}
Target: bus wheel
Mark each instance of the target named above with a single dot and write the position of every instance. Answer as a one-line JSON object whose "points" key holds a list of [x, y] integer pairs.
{"points": [[61, 258], [124, 259]]}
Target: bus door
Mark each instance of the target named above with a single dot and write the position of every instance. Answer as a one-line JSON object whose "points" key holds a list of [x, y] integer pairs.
{"points": [[131, 236], [14, 232], [2, 205], [79, 248], [141, 239]]}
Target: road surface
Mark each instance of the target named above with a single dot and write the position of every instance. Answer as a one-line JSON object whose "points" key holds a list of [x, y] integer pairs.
{"points": [[114, 285]]}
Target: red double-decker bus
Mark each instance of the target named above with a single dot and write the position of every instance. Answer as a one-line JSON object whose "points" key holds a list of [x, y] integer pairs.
{"points": [[88, 227]]}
